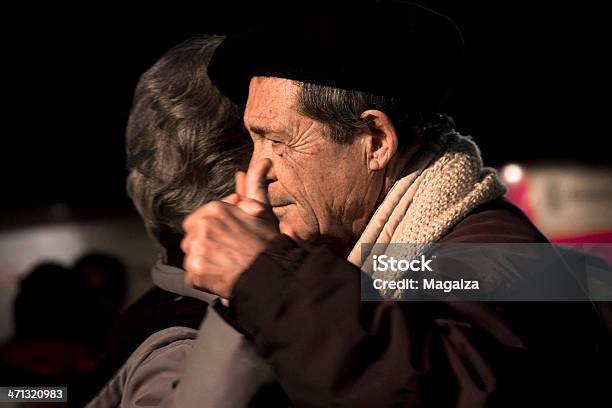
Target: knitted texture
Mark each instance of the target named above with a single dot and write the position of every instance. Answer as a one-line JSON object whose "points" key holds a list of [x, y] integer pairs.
{"points": [[428, 202]]}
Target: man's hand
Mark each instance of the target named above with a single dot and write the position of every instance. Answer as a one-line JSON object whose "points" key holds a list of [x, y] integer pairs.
{"points": [[222, 238]]}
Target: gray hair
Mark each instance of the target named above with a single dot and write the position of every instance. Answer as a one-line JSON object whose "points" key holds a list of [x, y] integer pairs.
{"points": [[340, 112], [185, 140]]}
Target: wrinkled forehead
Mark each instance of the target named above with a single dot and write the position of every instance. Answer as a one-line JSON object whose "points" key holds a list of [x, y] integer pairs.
{"points": [[271, 100]]}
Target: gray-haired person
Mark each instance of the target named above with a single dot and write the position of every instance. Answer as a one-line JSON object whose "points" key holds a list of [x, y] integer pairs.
{"points": [[185, 142]]}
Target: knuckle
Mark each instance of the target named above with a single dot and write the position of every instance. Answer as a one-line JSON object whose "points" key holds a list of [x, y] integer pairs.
{"points": [[186, 223], [185, 244], [194, 264]]}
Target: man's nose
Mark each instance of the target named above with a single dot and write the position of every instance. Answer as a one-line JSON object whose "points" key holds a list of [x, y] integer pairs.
{"points": [[260, 152], [271, 176]]}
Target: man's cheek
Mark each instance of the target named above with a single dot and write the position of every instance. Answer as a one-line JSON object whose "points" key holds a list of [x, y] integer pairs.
{"points": [[290, 216], [295, 225], [286, 224]]}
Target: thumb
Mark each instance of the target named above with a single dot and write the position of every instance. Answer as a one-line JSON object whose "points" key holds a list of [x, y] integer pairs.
{"points": [[233, 199], [252, 207], [240, 178], [256, 185]]}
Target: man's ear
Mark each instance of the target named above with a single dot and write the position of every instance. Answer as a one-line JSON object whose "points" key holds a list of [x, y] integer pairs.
{"points": [[383, 142]]}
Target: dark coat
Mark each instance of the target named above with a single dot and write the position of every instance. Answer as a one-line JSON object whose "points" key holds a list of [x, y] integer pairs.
{"points": [[302, 308]]}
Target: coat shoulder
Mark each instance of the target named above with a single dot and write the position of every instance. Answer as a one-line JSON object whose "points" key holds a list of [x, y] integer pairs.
{"points": [[498, 221]]}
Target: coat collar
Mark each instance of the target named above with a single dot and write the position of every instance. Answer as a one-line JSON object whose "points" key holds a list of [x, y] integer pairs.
{"points": [[173, 280]]}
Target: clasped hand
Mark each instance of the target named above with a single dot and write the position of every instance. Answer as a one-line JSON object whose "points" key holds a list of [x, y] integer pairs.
{"points": [[223, 238]]}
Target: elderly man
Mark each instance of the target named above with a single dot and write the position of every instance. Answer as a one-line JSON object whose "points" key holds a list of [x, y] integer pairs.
{"points": [[348, 150]]}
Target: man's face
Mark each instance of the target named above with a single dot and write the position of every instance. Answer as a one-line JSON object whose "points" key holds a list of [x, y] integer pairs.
{"points": [[321, 190]]}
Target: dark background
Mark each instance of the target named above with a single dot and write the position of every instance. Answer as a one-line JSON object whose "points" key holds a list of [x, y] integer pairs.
{"points": [[534, 87]]}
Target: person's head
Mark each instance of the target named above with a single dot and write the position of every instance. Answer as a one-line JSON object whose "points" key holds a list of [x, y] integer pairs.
{"points": [[48, 303], [104, 276], [339, 107], [185, 141], [335, 152]]}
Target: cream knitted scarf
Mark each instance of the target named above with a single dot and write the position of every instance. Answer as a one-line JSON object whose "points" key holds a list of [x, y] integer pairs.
{"points": [[441, 184]]}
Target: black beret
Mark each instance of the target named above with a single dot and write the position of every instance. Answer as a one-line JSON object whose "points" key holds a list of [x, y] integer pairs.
{"points": [[391, 48]]}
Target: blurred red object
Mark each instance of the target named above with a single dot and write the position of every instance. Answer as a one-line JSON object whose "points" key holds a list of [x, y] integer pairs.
{"points": [[569, 203]]}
